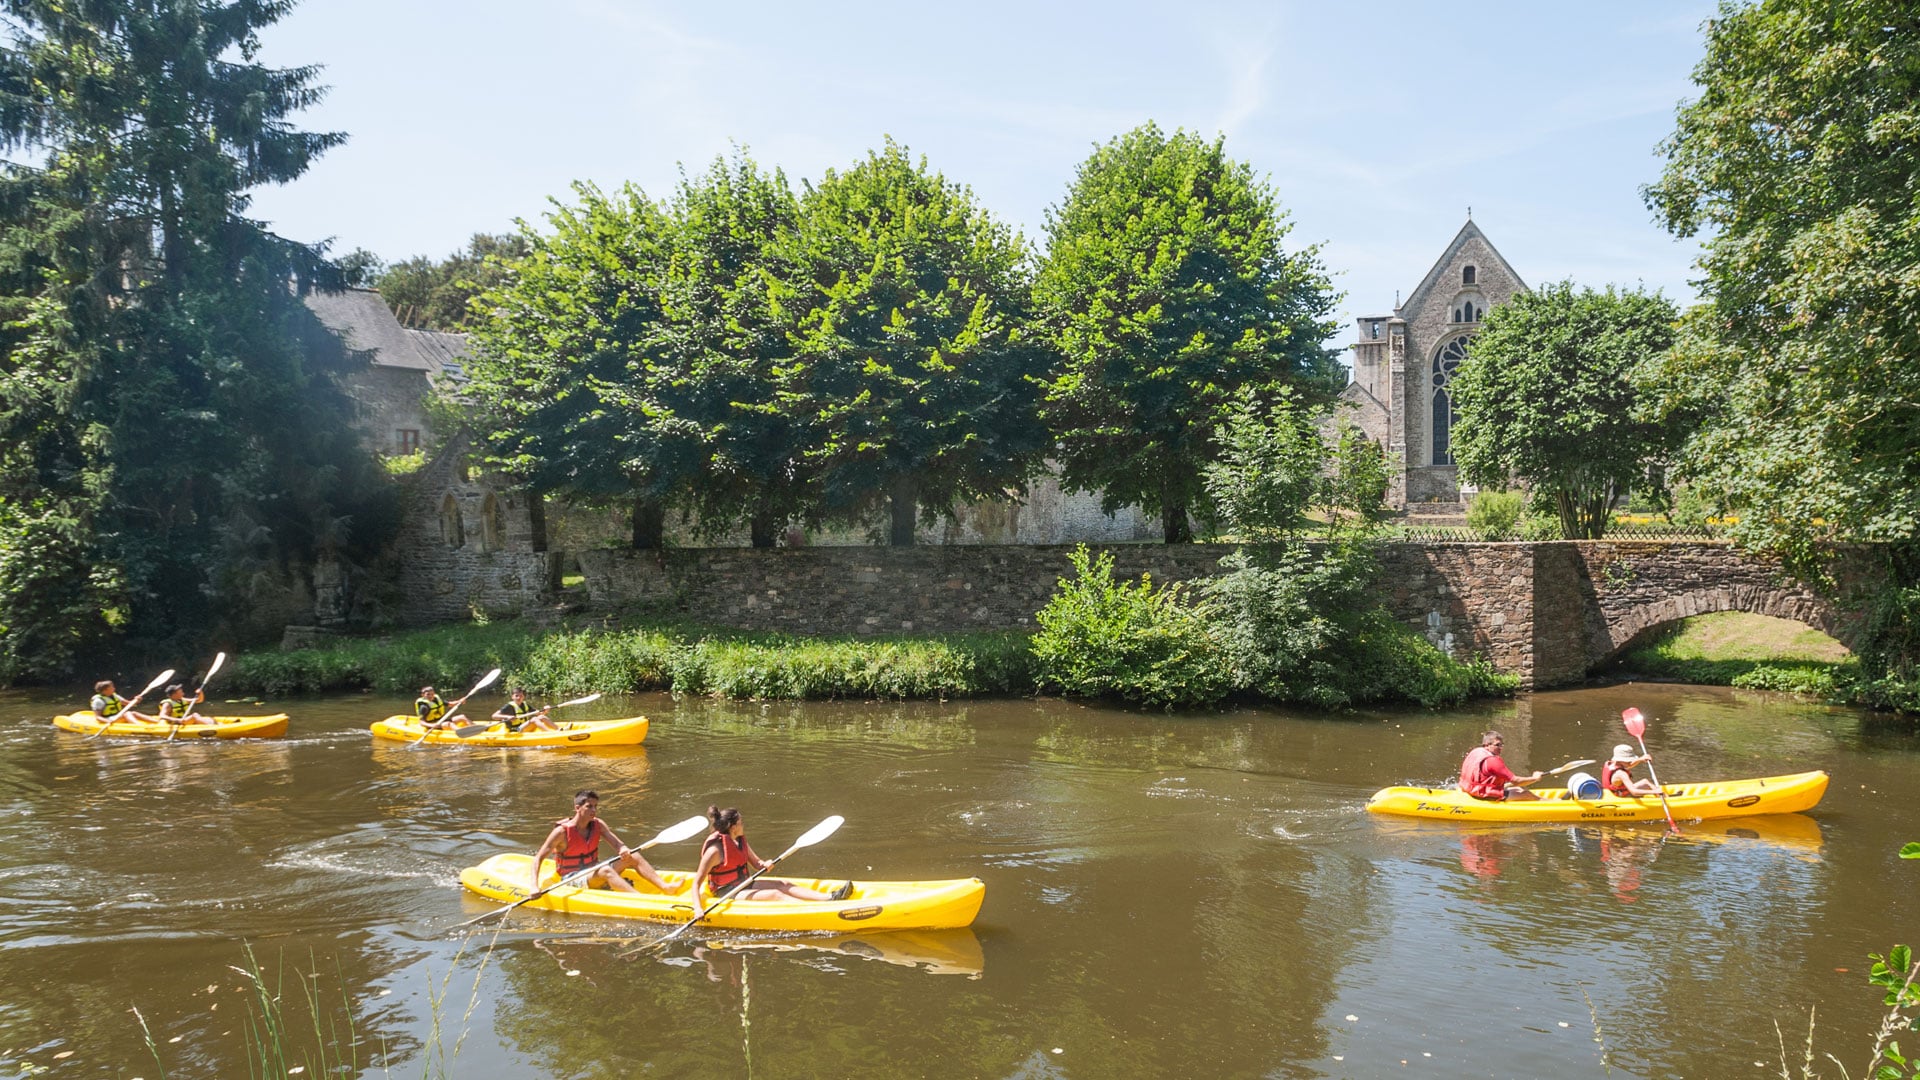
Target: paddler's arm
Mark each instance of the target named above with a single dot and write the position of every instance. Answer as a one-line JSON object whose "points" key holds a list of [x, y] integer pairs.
{"points": [[552, 843], [709, 854], [1523, 781]]}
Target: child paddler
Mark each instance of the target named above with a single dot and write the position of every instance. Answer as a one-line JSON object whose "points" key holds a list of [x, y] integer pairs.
{"points": [[575, 845], [520, 714], [176, 709], [432, 711], [110, 706]]}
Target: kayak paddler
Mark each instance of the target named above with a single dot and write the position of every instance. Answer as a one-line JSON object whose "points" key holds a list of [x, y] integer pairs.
{"points": [[109, 706], [518, 714], [574, 844], [176, 709], [432, 711], [726, 860], [1484, 775]]}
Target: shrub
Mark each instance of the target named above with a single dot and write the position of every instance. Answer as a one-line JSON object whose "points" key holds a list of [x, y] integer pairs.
{"points": [[1105, 638], [1495, 515]]}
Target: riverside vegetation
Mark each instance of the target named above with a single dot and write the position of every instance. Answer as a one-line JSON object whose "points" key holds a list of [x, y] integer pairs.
{"points": [[1288, 621]]}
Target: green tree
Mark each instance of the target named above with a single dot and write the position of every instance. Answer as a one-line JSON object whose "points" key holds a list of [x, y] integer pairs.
{"points": [[908, 309], [170, 431], [439, 294], [732, 229], [1546, 395], [1165, 290], [563, 389], [1798, 163]]}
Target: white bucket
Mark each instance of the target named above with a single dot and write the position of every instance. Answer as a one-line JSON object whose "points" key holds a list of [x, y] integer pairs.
{"points": [[1583, 786]]}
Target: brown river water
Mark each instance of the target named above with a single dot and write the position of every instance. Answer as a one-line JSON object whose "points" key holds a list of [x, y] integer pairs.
{"points": [[1167, 896]]}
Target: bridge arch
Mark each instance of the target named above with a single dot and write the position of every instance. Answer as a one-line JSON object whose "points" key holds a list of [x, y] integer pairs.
{"points": [[1634, 624]]}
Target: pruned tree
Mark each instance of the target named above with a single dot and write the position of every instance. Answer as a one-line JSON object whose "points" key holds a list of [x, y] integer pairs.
{"points": [[1165, 291], [1546, 395]]}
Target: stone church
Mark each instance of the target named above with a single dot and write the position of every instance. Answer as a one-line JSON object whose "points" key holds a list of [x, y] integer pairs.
{"points": [[1402, 363]]}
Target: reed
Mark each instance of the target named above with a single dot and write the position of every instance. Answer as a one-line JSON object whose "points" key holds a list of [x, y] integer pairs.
{"points": [[681, 657]]}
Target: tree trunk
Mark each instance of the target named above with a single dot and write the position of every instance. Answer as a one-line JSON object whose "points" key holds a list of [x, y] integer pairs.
{"points": [[537, 519], [903, 502], [764, 528], [1174, 527], [649, 524]]}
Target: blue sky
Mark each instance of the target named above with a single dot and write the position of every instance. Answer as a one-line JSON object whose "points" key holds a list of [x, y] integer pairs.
{"points": [[1378, 123]]}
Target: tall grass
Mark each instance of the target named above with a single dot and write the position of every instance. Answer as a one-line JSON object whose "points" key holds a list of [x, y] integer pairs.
{"points": [[668, 656]]}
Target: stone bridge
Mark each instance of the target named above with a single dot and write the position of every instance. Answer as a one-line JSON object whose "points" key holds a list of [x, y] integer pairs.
{"points": [[1548, 612]]}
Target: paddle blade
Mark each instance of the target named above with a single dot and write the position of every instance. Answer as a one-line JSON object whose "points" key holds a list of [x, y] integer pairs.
{"points": [[818, 832], [1636, 723], [470, 730], [485, 681], [157, 680], [1577, 763], [218, 659], [588, 700], [673, 834]]}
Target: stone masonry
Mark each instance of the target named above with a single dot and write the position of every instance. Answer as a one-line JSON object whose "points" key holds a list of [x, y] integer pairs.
{"points": [[1548, 612]]}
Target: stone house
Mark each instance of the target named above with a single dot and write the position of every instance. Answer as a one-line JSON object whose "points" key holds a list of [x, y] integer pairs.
{"points": [[467, 541], [1403, 361]]}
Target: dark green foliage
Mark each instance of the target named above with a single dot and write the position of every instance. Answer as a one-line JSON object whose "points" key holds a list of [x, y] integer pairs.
{"points": [[1166, 292], [666, 656], [1129, 640], [166, 401], [732, 235], [563, 367], [439, 295], [1797, 162], [913, 361], [1547, 395], [1889, 643]]}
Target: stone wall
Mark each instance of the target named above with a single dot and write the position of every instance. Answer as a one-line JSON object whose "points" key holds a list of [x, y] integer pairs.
{"points": [[469, 545], [1547, 612]]}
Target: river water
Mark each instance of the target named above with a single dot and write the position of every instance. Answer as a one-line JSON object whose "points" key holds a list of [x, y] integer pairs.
{"points": [[1166, 897]]}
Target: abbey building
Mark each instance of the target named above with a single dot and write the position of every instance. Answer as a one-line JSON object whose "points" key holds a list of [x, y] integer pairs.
{"points": [[1402, 363]]}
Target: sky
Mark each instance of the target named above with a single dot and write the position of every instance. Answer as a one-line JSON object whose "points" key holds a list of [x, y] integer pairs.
{"points": [[1378, 124]]}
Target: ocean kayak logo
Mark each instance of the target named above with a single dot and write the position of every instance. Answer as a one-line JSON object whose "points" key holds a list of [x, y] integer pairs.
{"points": [[1744, 800], [858, 914]]}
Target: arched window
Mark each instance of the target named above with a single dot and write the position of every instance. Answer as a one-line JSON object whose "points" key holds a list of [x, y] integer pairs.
{"points": [[1445, 363], [453, 532], [1466, 275], [492, 526]]}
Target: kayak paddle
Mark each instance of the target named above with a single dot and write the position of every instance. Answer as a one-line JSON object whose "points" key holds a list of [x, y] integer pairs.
{"points": [[475, 729], [485, 681], [808, 839], [672, 834], [218, 659], [1636, 725], [107, 721], [1577, 763]]}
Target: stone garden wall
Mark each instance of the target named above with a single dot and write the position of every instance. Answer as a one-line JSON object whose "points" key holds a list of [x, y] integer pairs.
{"points": [[1547, 612]]}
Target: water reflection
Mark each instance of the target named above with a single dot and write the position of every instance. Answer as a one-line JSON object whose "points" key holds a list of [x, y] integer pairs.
{"points": [[1197, 895]]}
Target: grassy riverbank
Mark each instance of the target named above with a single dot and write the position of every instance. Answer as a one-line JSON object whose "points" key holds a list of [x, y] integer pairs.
{"points": [[680, 657], [686, 659], [1751, 652]]}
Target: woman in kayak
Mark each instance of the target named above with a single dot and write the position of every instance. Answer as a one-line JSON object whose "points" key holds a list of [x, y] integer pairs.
{"points": [[109, 706], [575, 845], [726, 860]]}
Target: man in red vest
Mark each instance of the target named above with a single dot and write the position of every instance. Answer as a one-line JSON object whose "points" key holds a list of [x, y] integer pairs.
{"points": [[1485, 776]]}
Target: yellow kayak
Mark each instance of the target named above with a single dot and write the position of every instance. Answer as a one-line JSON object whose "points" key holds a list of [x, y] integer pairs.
{"points": [[221, 727], [629, 732], [873, 905], [1722, 799]]}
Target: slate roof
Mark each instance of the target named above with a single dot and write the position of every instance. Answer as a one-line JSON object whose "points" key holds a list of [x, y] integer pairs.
{"points": [[365, 323]]}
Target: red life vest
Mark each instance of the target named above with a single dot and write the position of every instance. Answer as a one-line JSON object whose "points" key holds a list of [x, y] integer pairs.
{"points": [[732, 867], [580, 850], [1476, 781], [1614, 777]]}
